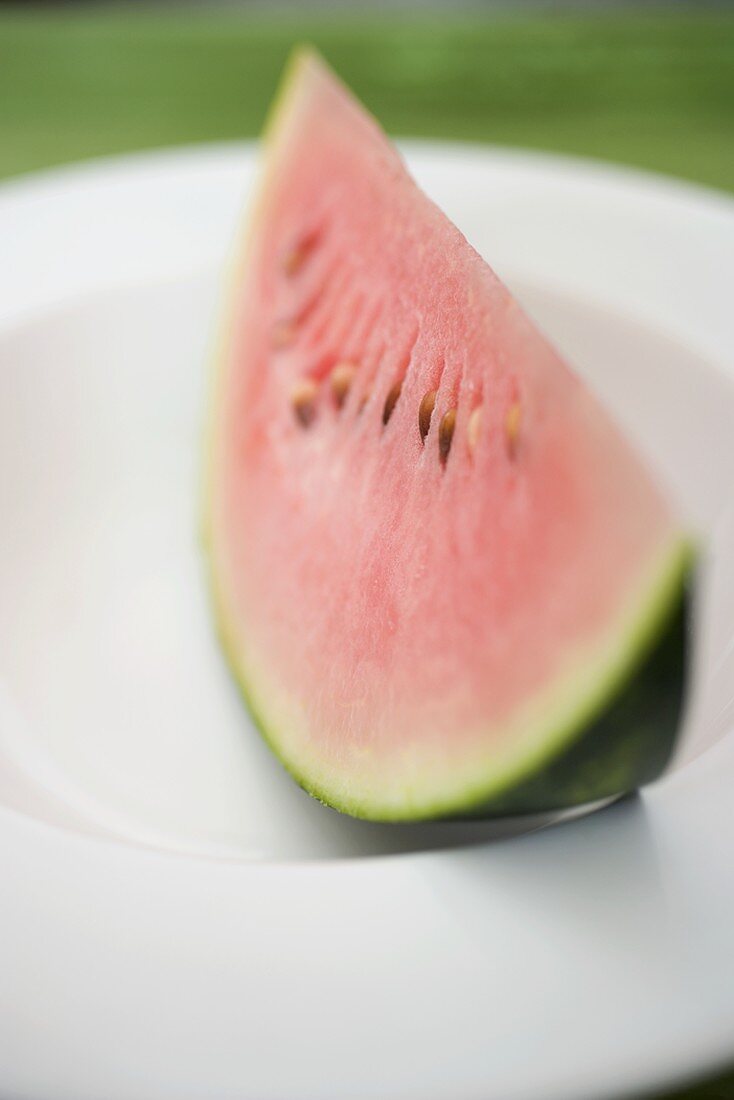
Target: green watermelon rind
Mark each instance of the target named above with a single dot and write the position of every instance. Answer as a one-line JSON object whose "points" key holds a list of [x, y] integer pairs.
{"points": [[587, 755]]}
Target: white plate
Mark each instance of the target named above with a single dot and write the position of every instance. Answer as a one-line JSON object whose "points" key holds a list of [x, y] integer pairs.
{"points": [[177, 920]]}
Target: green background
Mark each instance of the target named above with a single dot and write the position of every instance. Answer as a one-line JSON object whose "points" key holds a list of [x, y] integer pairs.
{"points": [[654, 89]]}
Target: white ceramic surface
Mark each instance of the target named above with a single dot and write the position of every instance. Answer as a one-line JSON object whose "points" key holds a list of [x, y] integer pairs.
{"points": [[177, 919]]}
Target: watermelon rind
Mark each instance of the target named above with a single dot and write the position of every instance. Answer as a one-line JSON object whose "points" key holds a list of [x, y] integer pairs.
{"points": [[615, 733]]}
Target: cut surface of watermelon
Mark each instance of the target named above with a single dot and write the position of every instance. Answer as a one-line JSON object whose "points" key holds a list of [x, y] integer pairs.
{"points": [[445, 582]]}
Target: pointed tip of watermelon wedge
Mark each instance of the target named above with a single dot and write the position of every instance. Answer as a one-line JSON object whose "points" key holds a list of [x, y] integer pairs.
{"points": [[304, 67], [311, 584]]}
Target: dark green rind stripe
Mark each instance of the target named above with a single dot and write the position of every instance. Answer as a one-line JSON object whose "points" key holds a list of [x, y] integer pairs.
{"points": [[629, 744]]}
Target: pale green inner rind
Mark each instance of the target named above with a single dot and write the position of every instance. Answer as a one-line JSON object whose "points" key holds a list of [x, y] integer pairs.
{"points": [[559, 716], [274, 134]]}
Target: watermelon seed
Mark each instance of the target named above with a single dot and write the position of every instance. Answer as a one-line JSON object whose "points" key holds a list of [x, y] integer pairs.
{"points": [[342, 377], [474, 427], [293, 261], [296, 256], [391, 401], [283, 334], [512, 428], [303, 400], [425, 412], [363, 400], [446, 433]]}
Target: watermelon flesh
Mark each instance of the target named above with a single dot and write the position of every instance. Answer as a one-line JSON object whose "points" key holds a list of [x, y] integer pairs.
{"points": [[444, 580]]}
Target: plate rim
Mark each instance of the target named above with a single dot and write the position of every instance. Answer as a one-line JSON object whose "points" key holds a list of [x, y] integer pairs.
{"points": [[50, 187]]}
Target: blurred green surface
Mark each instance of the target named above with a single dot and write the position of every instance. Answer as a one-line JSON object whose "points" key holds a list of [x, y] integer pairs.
{"points": [[649, 88], [653, 89]]}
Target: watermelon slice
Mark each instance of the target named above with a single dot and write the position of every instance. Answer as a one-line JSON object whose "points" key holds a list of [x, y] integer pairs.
{"points": [[444, 581]]}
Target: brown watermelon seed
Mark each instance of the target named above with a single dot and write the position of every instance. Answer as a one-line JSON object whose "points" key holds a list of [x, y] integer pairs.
{"points": [[283, 334], [293, 260], [446, 433], [425, 412], [295, 257], [363, 400], [391, 401], [512, 428], [303, 400], [474, 427], [342, 377]]}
